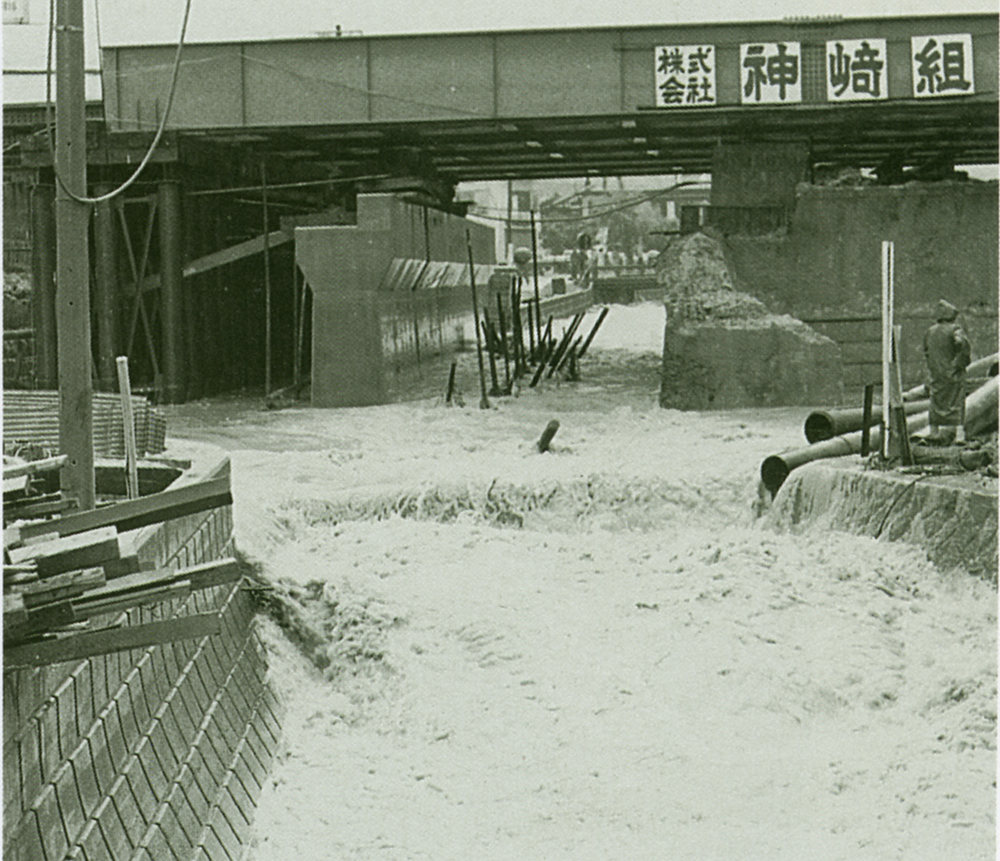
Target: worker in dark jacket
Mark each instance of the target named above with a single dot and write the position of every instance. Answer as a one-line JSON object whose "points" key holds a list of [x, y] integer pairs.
{"points": [[947, 351]]}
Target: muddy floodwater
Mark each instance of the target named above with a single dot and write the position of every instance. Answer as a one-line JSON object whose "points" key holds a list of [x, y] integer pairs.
{"points": [[601, 652]]}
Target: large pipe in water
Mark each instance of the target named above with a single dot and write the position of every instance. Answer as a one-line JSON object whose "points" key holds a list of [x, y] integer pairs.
{"points": [[981, 408], [826, 424], [980, 415]]}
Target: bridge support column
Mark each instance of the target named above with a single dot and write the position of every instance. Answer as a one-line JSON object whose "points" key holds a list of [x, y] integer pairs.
{"points": [[43, 297], [754, 182], [107, 298], [171, 287]]}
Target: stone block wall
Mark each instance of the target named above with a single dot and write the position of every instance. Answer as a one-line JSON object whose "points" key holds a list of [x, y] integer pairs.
{"points": [[155, 753], [826, 269]]}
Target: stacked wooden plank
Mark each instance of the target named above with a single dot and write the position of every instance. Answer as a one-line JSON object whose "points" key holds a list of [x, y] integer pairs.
{"points": [[66, 583], [30, 489], [32, 419]]}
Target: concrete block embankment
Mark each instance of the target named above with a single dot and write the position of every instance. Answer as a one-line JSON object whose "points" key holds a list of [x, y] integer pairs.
{"points": [[151, 753], [766, 361], [954, 518]]}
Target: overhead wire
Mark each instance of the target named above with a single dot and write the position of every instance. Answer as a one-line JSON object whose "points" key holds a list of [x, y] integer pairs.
{"points": [[156, 138], [340, 180], [593, 216]]}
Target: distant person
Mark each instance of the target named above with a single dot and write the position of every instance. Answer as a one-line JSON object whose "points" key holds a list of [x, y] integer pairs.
{"points": [[947, 351]]}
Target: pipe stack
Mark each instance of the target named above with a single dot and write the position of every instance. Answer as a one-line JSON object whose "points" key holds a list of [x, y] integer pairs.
{"points": [[980, 417]]}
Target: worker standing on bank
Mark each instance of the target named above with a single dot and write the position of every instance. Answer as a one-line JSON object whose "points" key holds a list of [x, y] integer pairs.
{"points": [[947, 351]]}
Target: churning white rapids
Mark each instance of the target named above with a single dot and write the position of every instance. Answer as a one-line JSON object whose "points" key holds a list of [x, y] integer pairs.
{"points": [[597, 652]]}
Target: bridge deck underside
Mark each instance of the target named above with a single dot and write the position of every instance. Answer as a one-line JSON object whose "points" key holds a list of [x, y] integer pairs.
{"points": [[649, 142], [564, 102]]}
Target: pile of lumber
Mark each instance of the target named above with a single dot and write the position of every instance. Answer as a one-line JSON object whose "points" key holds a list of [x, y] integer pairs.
{"points": [[31, 489], [67, 585]]}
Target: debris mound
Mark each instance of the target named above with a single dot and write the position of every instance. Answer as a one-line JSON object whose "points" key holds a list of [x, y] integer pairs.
{"points": [[699, 283], [724, 349]]}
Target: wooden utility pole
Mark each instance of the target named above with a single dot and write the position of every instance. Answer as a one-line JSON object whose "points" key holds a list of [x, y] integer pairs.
{"points": [[534, 260], [76, 393]]}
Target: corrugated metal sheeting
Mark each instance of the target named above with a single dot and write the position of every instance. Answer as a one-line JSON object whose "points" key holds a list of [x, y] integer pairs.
{"points": [[32, 419]]}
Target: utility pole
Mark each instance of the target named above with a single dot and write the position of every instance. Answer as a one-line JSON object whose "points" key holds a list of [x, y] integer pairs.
{"points": [[76, 393]]}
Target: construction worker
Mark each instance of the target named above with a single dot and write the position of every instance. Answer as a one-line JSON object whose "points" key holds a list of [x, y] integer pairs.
{"points": [[947, 351]]}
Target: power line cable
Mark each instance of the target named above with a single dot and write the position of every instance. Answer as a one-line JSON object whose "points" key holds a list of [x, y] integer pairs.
{"points": [[596, 215], [156, 138]]}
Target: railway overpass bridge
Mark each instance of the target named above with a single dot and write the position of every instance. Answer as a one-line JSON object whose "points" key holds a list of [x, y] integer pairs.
{"points": [[178, 283], [877, 93]]}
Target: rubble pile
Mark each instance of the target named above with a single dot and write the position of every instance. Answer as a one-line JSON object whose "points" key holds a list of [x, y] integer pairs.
{"points": [[724, 349], [699, 284]]}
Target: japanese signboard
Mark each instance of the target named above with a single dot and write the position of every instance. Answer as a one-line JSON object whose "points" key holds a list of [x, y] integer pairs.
{"points": [[15, 12], [685, 76], [942, 65], [855, 70], [771, 73]]}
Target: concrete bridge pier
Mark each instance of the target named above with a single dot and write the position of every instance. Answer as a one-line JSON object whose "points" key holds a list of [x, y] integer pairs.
{"points": [[171, 289], [753, 183]]}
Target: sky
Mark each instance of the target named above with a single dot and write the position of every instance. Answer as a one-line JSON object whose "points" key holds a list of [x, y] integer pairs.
{"points": [[124, 22]]}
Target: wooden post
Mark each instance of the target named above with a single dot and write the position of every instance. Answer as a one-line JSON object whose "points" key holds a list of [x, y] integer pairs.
{"points": [[866, 418], [131, 454], [451, 383], [503, 343], [484, 403], [534, 260], [590, 337], [76, 394], [106, 295], [901, 440], [495, 390], [531, 334], [887, 300], [267, 280], [171, 287], [43, 297], [547, 434]]}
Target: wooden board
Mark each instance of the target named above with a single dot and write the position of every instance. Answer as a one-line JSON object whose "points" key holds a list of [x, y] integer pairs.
{"points": [[62, 586], [37, 506], [84, 550], [201, 576], [32, 467], [106, 640], [135, 513]]}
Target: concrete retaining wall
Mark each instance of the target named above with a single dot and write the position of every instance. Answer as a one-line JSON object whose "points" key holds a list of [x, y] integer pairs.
{"points": [[826, 270], [388, 293], [566, 305], [155, 753], [956, 523], [768, 361]]}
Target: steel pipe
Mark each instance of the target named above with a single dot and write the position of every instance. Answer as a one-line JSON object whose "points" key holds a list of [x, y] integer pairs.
{"points": [[980, 416], [826, 424]]}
